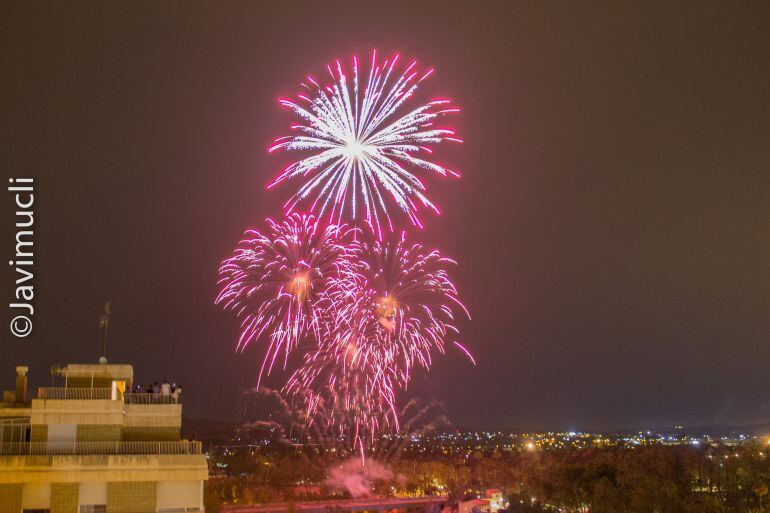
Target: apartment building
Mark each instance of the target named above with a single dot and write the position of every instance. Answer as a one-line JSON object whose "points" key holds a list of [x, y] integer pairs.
{"points": [[89, 445]]}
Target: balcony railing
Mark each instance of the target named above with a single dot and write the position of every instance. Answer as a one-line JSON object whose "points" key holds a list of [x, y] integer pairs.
{"points": [[73, 393], [104, 393], [54, 448], [134, 398], [14, 421]]}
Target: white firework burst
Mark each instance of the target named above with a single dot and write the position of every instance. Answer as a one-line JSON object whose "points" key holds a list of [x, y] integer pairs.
{"points": [[363, 143]]}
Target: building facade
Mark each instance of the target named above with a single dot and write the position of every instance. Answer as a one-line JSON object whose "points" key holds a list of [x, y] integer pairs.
{"points": [[88, 445]]}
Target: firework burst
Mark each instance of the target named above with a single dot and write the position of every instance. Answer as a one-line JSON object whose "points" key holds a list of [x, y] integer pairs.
{"points": [[391, 309], [398, 305], [274, 281], [371, 308], [364, 145]]}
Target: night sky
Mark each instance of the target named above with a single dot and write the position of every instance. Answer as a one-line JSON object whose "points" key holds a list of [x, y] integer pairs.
{"points": [[612, 224]]}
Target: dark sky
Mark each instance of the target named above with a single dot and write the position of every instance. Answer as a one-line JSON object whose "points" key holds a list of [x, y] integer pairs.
{"points": [[612, 224]]}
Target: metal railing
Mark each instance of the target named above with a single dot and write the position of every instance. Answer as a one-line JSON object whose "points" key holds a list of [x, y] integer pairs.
{"points": [[14, 429], [73, 393], [53, 448], [103, 393], [141, 398], [14, 421]]}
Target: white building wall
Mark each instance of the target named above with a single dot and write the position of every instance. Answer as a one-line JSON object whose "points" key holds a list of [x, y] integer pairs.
{"points": [[62, 432], [93, 493]]}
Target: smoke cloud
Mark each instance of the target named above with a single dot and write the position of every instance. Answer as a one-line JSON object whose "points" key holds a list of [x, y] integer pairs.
{"points": [[357, 478]]}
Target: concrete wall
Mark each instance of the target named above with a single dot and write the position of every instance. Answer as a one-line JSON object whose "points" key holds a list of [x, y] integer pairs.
{"points": [[151, 434], [100, 375], [72, 469], [174, 495], [167, 415], [72, 411]]}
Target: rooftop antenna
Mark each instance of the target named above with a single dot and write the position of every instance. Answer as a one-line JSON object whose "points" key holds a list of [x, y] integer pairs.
{"points": [[55, 371], [104, 323]]}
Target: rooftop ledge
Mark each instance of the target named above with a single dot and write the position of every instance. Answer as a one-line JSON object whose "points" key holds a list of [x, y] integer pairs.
{"points": [[96, 370]]}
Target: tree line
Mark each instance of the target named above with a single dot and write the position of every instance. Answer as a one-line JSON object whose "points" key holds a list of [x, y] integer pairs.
{"points": [[645, 479]]}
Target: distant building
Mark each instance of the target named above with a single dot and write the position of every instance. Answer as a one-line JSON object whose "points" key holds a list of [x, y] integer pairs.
{"points": [[90, 446], [495, 498]]}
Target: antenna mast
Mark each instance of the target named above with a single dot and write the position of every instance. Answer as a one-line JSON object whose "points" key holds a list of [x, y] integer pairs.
{"points": [[104, 323]]}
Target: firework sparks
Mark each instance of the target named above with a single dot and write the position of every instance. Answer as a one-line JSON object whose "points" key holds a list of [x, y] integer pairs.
{"points": [[363, 143], [274, 281], [372, 310], [388, 312], [403, 302]]}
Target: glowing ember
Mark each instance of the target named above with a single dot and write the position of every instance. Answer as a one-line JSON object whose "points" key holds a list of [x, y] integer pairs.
{"points": [[299, 285], [387, 308]]}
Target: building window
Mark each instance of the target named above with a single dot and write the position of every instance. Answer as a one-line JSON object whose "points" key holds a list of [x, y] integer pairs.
{"points": [[118, 389]]}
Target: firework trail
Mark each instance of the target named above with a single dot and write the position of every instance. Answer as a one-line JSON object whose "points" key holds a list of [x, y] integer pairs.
{"points": [[327, 440], [364, 144], [274, 281], [330, 431], [343, 400]]}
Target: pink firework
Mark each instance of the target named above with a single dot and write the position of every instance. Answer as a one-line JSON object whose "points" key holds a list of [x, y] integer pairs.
{"points": [[343, 400], [391, 309], [405, 304], [275, 281], [365, 146]]}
